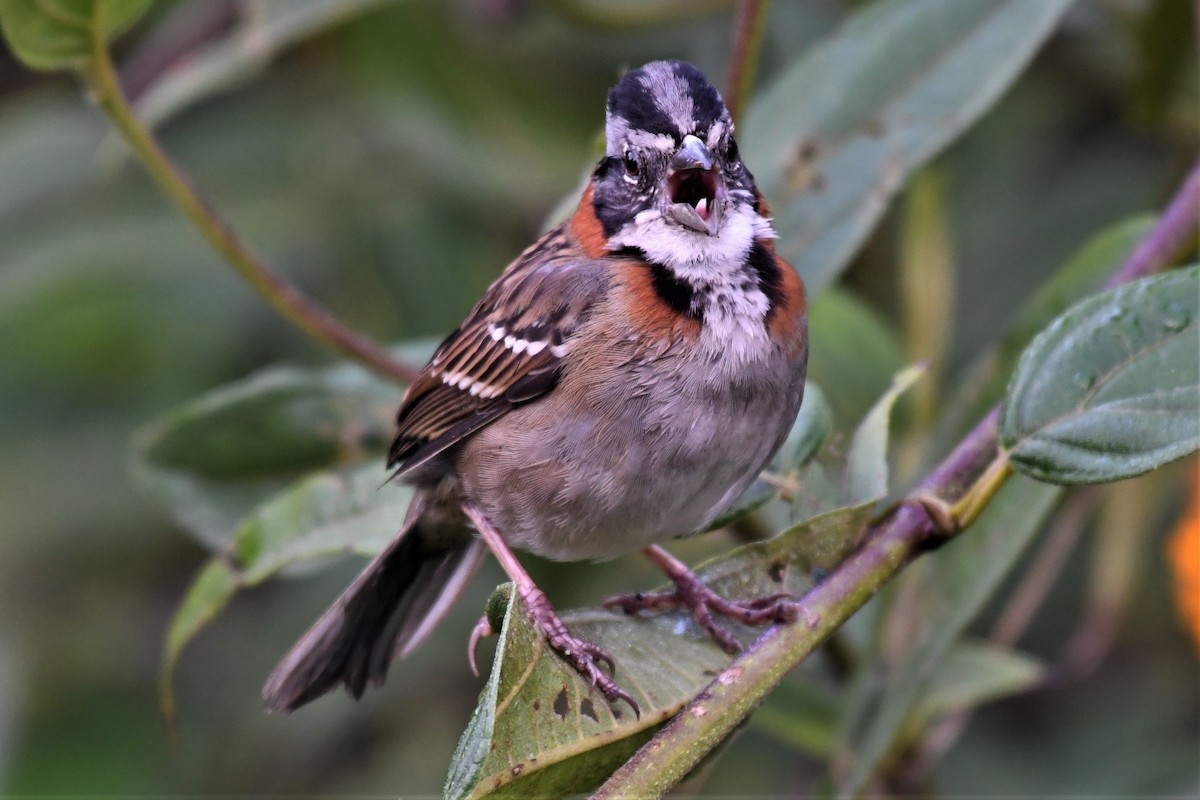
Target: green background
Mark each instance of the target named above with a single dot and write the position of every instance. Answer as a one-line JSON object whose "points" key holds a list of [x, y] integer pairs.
{"points": [[391, 166]]}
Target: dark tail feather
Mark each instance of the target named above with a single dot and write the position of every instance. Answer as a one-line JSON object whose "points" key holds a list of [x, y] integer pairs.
{"points": [[387, 611]]}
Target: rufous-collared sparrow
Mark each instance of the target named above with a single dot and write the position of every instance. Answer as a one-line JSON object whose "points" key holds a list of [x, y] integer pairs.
{"points": [[620, 384]]}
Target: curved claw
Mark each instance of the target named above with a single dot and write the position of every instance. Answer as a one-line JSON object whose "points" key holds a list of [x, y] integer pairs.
{"points": [[614, 694], [596, 654], [482, 630], [584, 657]]}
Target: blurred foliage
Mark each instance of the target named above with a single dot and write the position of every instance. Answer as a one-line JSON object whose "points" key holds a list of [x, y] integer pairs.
{"points": [[390, 159]]}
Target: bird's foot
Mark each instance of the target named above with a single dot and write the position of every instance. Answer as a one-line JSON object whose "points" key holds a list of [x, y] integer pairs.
{"points": [[585, 657], [691, 593]]}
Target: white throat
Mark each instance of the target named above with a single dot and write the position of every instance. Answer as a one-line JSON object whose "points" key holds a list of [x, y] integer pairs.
{"points": [[734, 307]]}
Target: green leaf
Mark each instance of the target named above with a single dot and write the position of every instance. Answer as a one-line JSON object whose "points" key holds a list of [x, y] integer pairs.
{"points": [[539, 731], [813, 425], [974, 673], [282, 421], [855, 353], [57, 34], [327, 514], [1112, 388], [214, 459], [955, 584], [867, 460], [264, 30], [825, 483], [835, 136], [211, 590]]}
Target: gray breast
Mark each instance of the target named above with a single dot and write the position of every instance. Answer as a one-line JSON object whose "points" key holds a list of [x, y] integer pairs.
{"points": [[602, 467]]}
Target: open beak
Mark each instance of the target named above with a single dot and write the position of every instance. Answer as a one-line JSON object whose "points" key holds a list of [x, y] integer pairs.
{"points": [[694, 187]]}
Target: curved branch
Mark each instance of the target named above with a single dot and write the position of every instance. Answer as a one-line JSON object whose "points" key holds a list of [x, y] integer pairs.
{"points": [[888, 548], [296, 307]]}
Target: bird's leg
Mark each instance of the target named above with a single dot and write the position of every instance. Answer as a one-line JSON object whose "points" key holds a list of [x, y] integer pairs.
{"points": [[585, 657], [691, 593]]}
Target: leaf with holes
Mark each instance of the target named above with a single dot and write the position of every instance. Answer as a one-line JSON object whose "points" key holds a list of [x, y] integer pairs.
{"points": [[58, 34], [539, 731], [1112, 388], [834, 138]]}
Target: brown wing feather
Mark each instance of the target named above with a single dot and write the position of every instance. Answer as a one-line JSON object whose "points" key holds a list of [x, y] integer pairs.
{"points": [[508, 351]]}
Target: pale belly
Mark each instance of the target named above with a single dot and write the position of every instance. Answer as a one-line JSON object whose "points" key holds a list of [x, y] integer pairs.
{"points": [[595, 477]]}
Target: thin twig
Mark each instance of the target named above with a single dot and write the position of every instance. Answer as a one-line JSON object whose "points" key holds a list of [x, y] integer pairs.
{"points": [[1176, 231], [747, 39], [889, 546], [297, 308], [1046, 566]]}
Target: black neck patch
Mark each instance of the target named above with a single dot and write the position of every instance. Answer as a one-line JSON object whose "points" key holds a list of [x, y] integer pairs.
{"points": [[761, 262], [687, 300], [676, 292]]}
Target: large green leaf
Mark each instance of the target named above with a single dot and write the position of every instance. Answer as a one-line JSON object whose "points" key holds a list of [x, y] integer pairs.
{"points": [[834, 137], [214, 459], [283, 421], [1112, 388], [538, 729], [57, 34], [956, 583]]}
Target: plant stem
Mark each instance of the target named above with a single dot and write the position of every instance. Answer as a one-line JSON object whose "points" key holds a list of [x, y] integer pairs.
{"points": [[968, 507], [316, 322], [1177, 230], [888, 547], [743, 57]]}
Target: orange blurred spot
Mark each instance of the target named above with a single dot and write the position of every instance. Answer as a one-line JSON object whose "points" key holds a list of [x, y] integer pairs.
{"points": [[1183, 552]]}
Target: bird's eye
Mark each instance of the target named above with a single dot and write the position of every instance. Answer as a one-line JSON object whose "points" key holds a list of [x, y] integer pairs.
{"points": [[632, 165], [731, 149]]}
